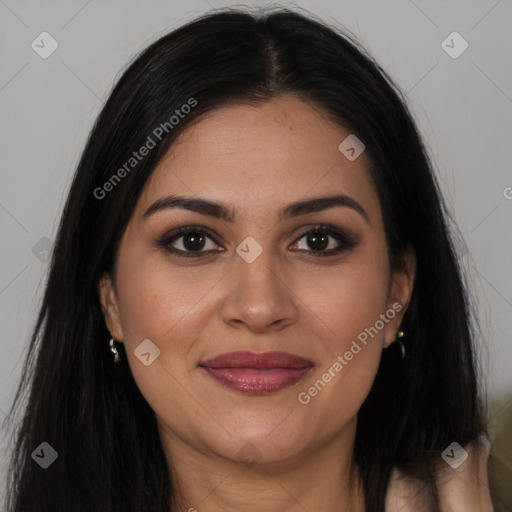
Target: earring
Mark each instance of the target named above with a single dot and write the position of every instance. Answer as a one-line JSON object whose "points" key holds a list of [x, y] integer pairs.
{"points": [[399, 336], [113, 349]]}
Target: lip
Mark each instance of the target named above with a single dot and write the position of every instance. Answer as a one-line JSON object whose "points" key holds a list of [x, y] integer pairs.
{"points": [[257, 373]]}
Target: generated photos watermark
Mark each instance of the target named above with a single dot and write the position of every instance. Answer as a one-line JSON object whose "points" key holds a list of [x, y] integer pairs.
{"points": [[341, 361], [145, 149]]}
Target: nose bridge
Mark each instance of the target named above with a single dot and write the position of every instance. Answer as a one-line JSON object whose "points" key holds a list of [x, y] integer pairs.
{"points": [[256, 268], [258, 296]]}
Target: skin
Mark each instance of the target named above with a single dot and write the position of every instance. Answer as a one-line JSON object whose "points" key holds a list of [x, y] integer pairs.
{"points": [[257, 159], [461, 489]]}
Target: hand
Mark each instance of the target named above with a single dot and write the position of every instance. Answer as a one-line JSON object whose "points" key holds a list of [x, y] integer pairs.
{"points": [[464, 489]]}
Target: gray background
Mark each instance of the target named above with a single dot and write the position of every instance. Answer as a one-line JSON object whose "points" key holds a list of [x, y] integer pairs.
{"points": [[463, 107]]}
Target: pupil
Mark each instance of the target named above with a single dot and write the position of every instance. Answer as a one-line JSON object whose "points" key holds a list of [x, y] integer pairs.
{"points": [[317, 241], [193, 242]]}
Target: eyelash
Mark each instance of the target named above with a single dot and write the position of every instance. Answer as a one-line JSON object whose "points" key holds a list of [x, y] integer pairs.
{"points": [[345, 241]]}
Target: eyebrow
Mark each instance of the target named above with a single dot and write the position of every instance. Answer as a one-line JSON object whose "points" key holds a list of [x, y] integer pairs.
{"points": [[221, 211]]}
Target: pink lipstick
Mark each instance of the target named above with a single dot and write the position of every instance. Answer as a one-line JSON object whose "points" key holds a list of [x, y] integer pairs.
{"points": [[250, 372]]}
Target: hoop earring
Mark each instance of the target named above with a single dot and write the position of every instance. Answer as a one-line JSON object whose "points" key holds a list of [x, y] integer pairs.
{"points": [[113, 349], [398, 341], [399, 336]]}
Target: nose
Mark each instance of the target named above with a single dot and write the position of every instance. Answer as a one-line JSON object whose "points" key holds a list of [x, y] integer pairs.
{"points": [[260, 297]]}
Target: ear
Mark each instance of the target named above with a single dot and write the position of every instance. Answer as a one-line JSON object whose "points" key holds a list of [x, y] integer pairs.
{"points": [[109, 305], [399, 296]]}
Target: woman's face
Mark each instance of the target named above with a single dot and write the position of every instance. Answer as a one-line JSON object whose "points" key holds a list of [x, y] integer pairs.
{"points": [[256, 281]]}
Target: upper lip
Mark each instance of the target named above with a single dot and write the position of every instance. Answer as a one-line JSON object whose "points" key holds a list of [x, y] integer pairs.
{"points": [[264, 360]]}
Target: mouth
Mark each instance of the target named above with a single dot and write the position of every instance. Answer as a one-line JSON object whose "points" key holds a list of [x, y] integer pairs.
{"points": [[250, 372]]}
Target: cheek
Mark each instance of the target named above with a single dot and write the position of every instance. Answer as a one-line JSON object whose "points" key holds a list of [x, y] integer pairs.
{"points": [[167, 308], [348, 302], [170, 308], [155, 302]]}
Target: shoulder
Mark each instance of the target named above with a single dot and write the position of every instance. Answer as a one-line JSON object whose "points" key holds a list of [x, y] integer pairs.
{"points": [[464, 488]]}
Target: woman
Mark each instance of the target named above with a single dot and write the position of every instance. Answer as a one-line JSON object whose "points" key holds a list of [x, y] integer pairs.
{"points": [[254, 302]]}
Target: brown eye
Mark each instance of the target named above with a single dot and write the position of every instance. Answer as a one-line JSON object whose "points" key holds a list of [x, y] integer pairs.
{"points": [[325, 240], [188, 242], [193, 241], [317, 240]]}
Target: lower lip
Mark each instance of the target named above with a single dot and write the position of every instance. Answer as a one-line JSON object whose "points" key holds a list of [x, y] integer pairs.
{"points": [[257, 381]]}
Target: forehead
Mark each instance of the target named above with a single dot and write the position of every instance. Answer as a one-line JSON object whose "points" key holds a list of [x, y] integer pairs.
{"points": [[260, 157]]}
